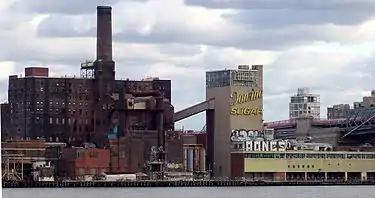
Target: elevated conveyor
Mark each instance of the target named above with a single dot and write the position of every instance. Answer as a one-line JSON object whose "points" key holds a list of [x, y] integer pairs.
{"points": [[195, 109]]}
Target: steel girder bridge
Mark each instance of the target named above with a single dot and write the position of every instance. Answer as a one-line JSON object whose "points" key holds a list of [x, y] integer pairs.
{"points": [[359, 122]]}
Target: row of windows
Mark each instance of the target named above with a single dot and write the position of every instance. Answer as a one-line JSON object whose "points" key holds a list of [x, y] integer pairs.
{"points": [[51, 103], [301, 166], [310, 156], [91, 154]]}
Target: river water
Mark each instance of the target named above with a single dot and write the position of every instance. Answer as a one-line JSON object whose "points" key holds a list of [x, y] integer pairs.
{"points": [[185, 192]]}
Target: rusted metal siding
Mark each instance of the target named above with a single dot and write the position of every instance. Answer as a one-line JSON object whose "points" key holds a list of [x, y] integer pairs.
{"points": [[30, 150], [119, 155], [202, 139], [174, 148], [24, 144], [237, 165]]}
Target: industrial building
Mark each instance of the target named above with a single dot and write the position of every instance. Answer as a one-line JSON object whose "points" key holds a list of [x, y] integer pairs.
{"points": [[306, 165], [304, 103], [238, 95], [94, 107], [86, 108], [129, 118], [265, 158], [29, 159], [78, 163]]}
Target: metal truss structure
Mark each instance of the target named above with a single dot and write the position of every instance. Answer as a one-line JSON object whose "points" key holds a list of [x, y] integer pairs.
{"points": [[12, 167], [87, 70], [359, 119]]}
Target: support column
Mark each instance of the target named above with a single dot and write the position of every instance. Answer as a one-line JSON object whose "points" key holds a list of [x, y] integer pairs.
{"points": [[363, 176]]}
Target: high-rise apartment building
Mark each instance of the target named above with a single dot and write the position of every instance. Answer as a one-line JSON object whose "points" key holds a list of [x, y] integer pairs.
{"points": [[304, 103], [238, 97]]}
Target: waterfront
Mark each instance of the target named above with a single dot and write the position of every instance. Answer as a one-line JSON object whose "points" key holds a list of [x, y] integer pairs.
{"points": [[214, 192]]}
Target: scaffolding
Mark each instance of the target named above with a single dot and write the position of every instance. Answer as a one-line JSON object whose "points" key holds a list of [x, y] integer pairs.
{"points": [[12, 166]]}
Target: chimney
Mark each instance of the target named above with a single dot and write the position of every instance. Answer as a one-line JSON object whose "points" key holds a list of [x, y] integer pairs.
{"points": [[104, 33]]}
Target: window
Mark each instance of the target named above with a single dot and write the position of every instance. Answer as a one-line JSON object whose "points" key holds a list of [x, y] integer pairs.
{"points": [[93, 154]]}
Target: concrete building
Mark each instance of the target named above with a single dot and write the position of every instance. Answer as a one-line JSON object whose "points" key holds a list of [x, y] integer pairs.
{"points": [[238, 105], [304, 103], [338, 111], [369, 101], [357, 105]]}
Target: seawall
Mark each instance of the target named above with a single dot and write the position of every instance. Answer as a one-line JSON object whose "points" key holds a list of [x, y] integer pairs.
{"points": [[161, 183]]}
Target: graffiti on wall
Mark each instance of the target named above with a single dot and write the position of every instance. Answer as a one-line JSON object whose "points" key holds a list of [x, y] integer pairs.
{"points": [[272, 145], [245, 135]]}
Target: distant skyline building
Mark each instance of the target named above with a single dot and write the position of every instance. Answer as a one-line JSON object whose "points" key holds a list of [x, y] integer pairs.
{"points": [[339, 111], [304, 103], [368, 101]]}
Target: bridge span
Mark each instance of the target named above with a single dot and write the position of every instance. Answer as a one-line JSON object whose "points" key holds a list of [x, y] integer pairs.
{"points": [[358, 126]]}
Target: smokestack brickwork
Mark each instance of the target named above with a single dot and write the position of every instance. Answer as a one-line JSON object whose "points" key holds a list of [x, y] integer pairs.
{"points": [[104, 33]]}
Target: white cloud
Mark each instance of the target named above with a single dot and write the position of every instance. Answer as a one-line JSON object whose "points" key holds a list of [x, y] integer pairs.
{"points": [[169, 39]]}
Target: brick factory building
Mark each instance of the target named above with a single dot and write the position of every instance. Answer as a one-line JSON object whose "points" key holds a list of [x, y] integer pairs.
{"points": [[94, 107], [79, 162]]}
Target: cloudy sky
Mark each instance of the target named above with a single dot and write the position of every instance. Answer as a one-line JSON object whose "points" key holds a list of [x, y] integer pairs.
{"points": [[327, 45]]}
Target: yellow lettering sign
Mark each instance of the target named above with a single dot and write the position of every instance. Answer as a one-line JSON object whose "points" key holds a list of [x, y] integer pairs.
{"points": [[238, 98], [246, 111]]}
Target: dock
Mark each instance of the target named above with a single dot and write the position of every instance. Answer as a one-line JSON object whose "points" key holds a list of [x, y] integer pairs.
{"points": [[166, 183]]}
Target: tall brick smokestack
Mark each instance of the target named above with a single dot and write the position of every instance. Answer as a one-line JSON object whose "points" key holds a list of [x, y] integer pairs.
{"points": [[104, 33]]}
